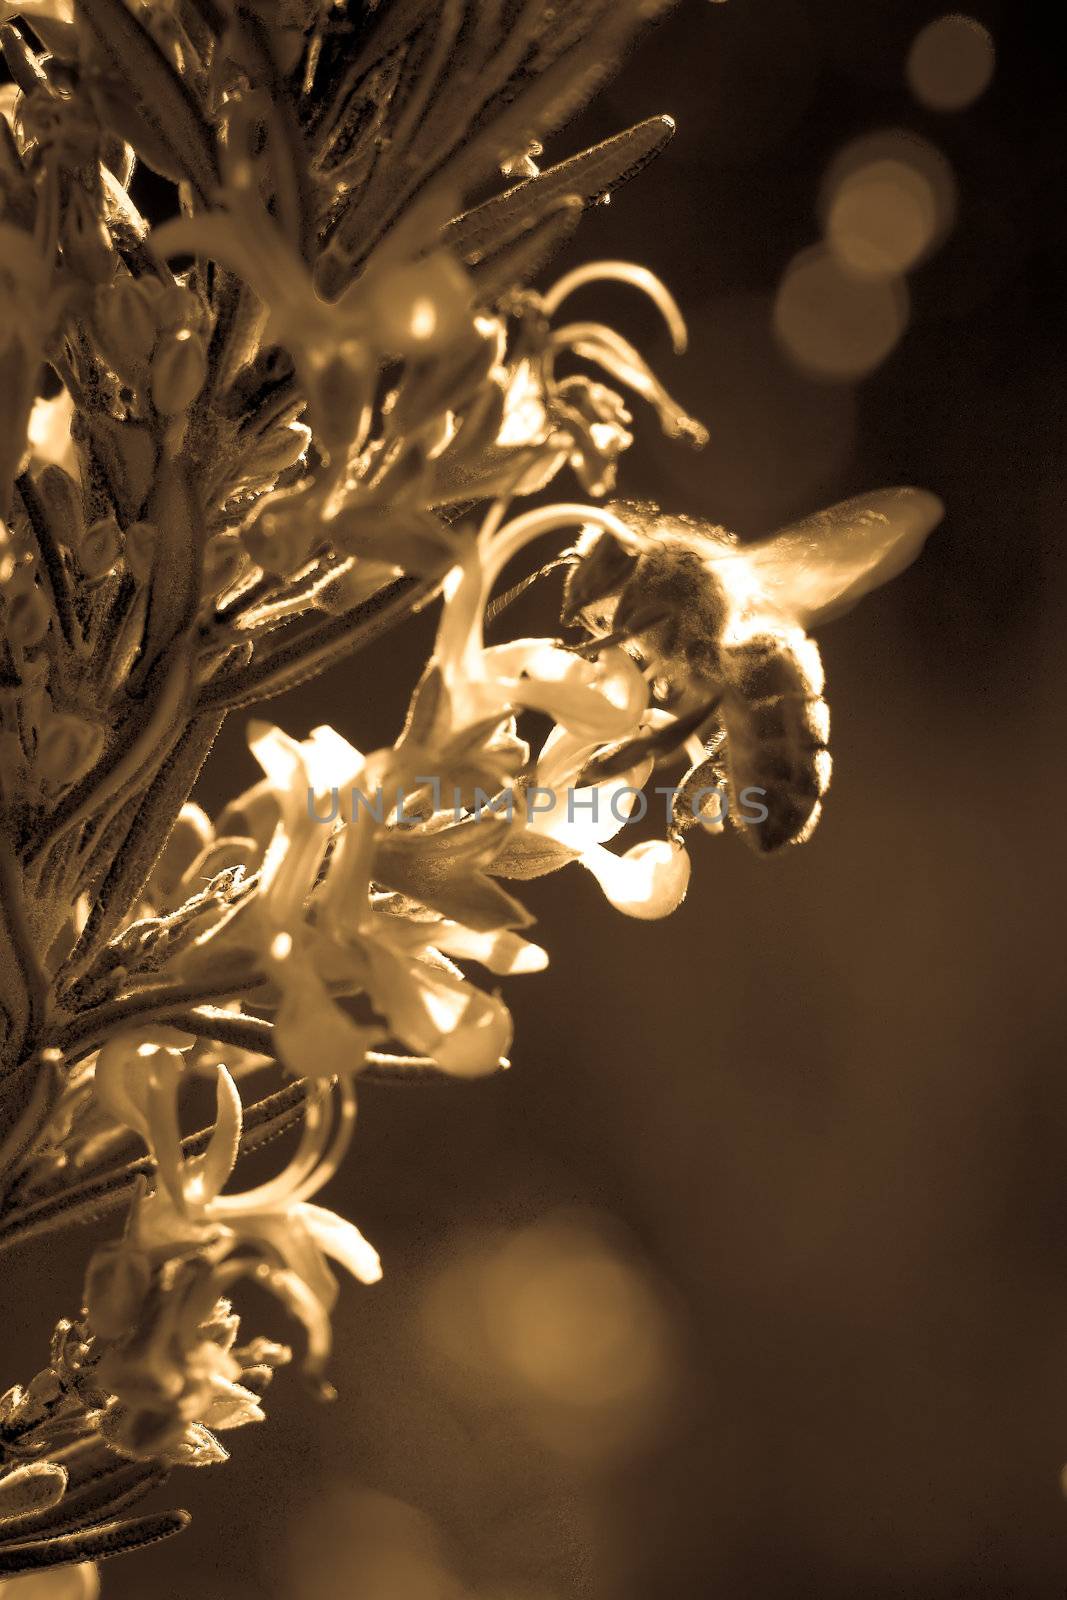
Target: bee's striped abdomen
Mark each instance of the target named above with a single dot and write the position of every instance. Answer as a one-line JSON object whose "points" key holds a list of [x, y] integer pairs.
{"points": [[776, 725]]}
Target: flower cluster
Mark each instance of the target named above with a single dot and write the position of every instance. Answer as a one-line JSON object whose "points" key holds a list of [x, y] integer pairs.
{"points": [[235, 448]]}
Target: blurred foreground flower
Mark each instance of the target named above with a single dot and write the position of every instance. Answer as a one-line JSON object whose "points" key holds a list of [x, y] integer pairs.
{"points": [[80, 1582]]}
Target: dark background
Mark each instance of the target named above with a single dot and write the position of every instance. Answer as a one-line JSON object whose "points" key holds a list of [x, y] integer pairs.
{"points": [[818, 1118]]}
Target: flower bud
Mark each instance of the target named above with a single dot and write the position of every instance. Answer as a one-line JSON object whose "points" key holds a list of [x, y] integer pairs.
{"points": [[140, 542], [12, 1401], [175, 307], [281, 538], [277, 449], [67, 747], [178, 373], [44, 1389], [115, 1288], [62, 500], [125, 326], [116, 154], [100, 548], [418, 307], [86, 242], [128, 453], [143, 1432], [34, 1486], [224, 560], [28, 616], [342, 393]]}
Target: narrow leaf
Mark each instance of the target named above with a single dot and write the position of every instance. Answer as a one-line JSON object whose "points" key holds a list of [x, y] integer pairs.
{"points": [[156, 101], [405, 1071], [121, 1485], [500, 271], [595, 172], [91, 1544]]}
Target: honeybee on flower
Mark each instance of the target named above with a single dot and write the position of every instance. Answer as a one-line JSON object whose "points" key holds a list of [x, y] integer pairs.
{"points": [[729, 634]]}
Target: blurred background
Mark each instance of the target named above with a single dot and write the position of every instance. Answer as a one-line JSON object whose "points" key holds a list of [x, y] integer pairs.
{"points": [[750, 1278]]}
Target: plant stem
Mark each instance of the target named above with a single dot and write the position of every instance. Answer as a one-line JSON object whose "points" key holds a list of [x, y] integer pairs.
{"points": [[317, 648]]}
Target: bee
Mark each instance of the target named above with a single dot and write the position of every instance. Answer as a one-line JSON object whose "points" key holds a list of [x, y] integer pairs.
{"points": [[716, 623]]}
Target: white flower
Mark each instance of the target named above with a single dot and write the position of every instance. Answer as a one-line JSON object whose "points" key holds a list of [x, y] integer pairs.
{"points": [[351, 946], [601, 700], [573, 418], [154, 1296]]}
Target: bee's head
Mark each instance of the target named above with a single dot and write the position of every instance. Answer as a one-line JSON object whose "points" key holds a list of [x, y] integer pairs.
{"points": [[602, 568]]}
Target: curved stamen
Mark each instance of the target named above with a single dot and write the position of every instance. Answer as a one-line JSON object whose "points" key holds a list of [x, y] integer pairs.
{"points": [[623, 272], [314, 1142], [345, 1110], [593, 341]]}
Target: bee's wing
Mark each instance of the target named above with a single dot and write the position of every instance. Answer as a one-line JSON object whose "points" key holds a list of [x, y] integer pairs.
{"points": [[820, 566], [650, 524]]}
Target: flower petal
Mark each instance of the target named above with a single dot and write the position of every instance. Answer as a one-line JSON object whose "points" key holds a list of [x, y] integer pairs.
{"points": [[463, 1029], [206, 1175], [502, 952], [342, 1240], [313, 1035], [649, 881]]}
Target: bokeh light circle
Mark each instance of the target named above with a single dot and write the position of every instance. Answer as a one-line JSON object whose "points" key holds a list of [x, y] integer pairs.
{"points": [[835, 324], [887, 200], [951, 62], [565, 1327], [881, 218]]}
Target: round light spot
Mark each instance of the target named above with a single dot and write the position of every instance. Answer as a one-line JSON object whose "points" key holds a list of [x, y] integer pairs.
{"points": [[951, 62], [560, 1322], [881, 218], [834, 324], [423, 319], [886, 201]]}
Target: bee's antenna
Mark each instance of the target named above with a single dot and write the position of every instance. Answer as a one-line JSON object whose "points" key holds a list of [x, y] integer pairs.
{"points": [[502, 601]]}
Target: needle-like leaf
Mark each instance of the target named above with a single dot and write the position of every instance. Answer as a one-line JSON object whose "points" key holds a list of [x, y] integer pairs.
{"points": [[160, 117], [479, 233], [90, 1544]]}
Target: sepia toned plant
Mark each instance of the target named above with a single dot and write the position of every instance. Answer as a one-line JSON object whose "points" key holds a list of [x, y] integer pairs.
{"points": [[236, 447]]}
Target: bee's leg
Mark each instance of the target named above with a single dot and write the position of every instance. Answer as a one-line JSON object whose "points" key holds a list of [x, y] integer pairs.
{"points": [[707, 743], [661, 744], [701, 795]]}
